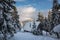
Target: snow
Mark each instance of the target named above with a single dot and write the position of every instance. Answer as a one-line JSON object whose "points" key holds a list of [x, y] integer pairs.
{"points": [[57, 28], [27, 26], [29, 36]]}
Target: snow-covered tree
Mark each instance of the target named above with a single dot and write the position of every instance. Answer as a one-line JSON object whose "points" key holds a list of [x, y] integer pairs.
{"points": [[9, 22], [55, 13], [34, 29], [40, 17]]}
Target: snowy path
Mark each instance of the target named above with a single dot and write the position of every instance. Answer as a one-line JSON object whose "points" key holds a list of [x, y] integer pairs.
{"points": [[29, 36]]}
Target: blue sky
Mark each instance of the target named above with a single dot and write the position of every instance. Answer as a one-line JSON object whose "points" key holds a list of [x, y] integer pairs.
{"points": [[28, 8], [38, 4]]}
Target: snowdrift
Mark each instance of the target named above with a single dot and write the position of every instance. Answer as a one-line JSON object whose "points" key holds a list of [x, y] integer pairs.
{"points": [[57, 28]]}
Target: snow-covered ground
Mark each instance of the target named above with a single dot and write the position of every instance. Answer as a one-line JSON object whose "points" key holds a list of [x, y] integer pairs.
{"points": [[30, 36]]}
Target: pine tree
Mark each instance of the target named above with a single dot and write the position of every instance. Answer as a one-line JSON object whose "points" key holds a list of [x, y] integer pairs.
{"points": [[34, 25], [50, 20], [8, 22], [40, 17], [55, 13], [34, 30], [40, 26]]}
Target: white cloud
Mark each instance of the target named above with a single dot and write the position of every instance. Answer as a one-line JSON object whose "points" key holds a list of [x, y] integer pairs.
{"points": [[26, 13], [29, 12]]}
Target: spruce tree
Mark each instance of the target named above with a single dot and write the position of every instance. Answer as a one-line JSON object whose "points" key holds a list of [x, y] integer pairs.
{"points": [[8, 23]]}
